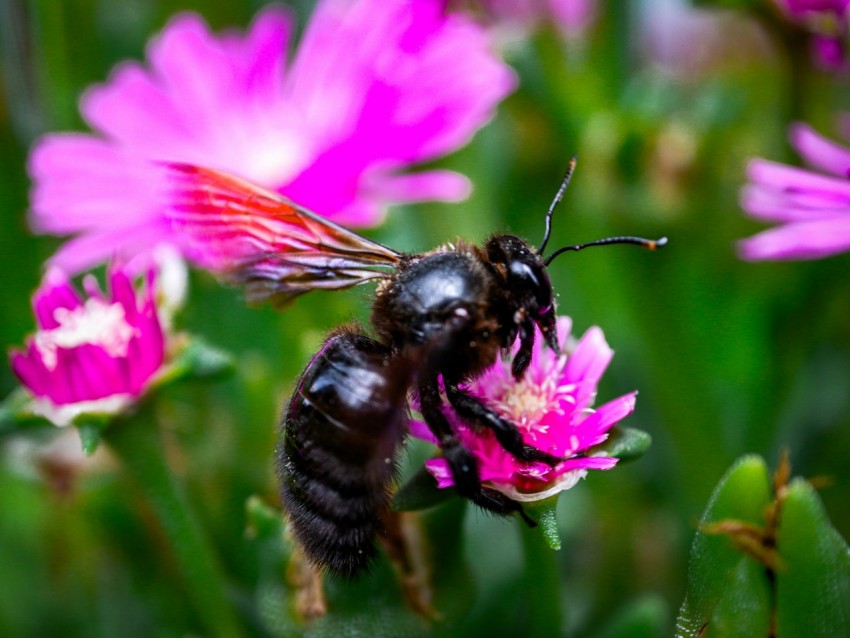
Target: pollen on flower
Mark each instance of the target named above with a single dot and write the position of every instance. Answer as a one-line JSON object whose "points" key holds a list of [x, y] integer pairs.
{"points": [[527, 402], [95, 322]]}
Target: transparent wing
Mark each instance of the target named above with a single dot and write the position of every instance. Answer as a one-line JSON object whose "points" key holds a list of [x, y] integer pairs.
{"points": [[261, 240]]}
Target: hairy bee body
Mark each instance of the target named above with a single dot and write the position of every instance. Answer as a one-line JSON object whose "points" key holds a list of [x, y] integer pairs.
{"points": [[341, 431], [442, 315]]}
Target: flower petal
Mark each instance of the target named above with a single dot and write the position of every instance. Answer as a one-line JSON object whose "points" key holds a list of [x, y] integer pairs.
{"points": [[802, 240], [820, 152], [439, 469], [586, 364]]}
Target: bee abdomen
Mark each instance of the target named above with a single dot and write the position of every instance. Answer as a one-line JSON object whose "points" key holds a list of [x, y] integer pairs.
{"points": [[336, 459]]}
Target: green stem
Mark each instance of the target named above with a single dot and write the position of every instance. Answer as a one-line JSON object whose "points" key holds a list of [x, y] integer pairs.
{"points": [[542, 586], [138, 444]]}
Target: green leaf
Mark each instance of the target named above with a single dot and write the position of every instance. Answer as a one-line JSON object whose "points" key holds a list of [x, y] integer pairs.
{"points": [[626, 444], [813, 577], [723, 590], [90, 436], [420, 492], [91, 426], [544, 512], [745, 610], [646, 617]]}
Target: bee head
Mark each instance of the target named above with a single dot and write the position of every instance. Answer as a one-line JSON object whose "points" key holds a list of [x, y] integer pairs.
{"points": [[527, 282]]}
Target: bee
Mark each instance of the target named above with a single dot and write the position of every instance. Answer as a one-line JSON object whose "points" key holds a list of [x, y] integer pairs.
{"points": [[438, 319]]}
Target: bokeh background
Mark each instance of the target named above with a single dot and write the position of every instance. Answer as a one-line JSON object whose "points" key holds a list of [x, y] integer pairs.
{"points": [[664, 106]]}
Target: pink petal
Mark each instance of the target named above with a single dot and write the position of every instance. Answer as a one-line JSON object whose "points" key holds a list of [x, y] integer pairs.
{"points": [[421, 431], [259, 59], [802, 240], [424, 82], [594, 428], [587, 363], [788, 178], [30, 370], [439, 469], [427, 185], [819, 152], [770, 205], [54, 292], [87, 250], [588, 463], [135, 109], [81, 183]]}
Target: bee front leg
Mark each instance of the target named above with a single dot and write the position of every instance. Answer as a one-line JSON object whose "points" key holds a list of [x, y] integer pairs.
{"points": [[522, 358], [463, 465], [508, 435]]}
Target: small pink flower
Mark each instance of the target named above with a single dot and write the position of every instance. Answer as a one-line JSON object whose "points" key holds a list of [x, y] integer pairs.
{"points": [[827, 21], [375, 87], [812, 208], [96, 355], [551, 405]]}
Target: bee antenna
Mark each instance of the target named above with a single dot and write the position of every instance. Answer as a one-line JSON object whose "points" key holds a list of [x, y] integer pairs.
{"points": [[564, 183], [649, 244]]}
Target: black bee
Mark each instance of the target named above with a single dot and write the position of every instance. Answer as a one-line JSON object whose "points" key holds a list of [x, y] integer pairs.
{"points": [[439, 319]]}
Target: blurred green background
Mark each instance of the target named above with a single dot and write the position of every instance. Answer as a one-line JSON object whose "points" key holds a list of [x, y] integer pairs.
{"points": [[729, 357]]}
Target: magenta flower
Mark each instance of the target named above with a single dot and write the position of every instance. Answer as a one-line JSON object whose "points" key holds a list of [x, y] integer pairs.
{"points": [[827, 21], [376, 86], [812, 208], [96, 355], [552, 407]]}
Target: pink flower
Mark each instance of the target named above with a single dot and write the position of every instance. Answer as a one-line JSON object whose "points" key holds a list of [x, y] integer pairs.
{"points": [[826, 20], [96, 355], [571, 17], [691, 42], [812, 208], [551, 405], [376, 86]]}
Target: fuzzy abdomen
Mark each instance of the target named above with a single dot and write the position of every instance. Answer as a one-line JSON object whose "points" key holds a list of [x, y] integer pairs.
{"points": [[336, 459]]}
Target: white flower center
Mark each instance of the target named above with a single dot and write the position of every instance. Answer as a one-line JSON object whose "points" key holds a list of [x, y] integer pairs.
{"points": [[96, 322], [527, 402]]}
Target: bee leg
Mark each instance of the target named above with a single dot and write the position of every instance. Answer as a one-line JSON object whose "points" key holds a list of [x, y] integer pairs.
{"points": [[470, 408], [463, 465], [526, 343]]}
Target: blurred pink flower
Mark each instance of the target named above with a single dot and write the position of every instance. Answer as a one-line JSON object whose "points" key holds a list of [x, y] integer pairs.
{"points": [[551, 405], [376, 85], [692, 41], [571, 17], [827, 21], [91, 356], [812, 208]]}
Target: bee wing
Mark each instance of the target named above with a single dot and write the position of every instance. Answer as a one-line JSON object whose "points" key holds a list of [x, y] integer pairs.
{"points": [[259, 239]]}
